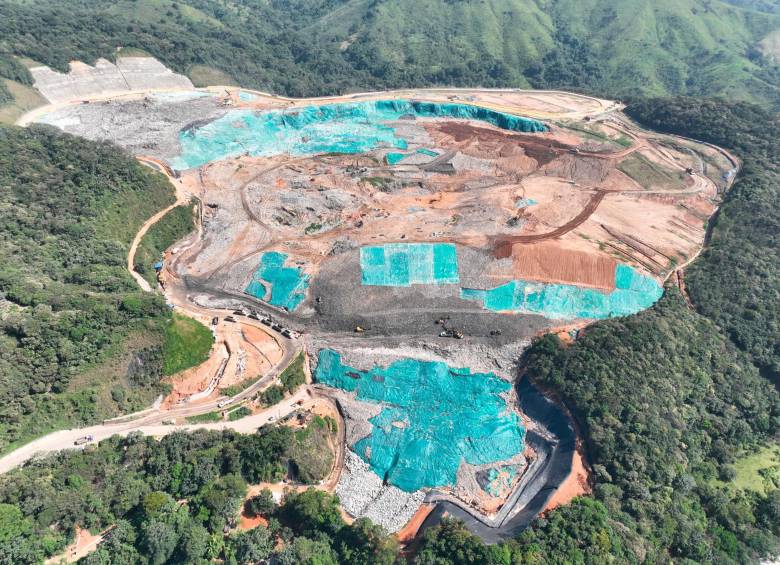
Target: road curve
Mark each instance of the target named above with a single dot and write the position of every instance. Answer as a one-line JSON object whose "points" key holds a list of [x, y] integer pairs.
{"points": [[556, 447]]}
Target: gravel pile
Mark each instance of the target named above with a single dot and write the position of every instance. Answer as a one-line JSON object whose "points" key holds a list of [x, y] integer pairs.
{"points": [[363, 495], [145, 125]]}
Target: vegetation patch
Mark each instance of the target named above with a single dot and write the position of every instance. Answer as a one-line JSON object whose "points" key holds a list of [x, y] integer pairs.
{"points": [[208, 417], [646, 173], [238, 413], [70, 209], [274, 394], [757, 472], [136, 485], [293, 376], [240, 386], [187, 344], [172, 227], [312, 453], [315, 48]]}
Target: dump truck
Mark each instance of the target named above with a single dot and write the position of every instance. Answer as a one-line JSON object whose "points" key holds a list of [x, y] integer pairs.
{"points": [[84, 439]]}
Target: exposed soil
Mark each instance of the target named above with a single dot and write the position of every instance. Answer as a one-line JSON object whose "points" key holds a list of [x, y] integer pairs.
{"points": [[576, 484], [548, 262], [409, 531]]}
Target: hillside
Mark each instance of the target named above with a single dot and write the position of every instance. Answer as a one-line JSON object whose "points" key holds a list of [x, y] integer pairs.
{"points": [[694, 47], [78, 340]]}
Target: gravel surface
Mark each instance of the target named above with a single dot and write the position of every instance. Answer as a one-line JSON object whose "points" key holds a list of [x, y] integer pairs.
{"points": [[362, 494]]}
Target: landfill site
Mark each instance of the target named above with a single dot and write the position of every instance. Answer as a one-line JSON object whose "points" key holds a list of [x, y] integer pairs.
{"points": [[412, 244]]}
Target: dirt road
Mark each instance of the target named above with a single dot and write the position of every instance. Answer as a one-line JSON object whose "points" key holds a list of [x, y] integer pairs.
{"points": [[181, 197], [150, 423], [151, 426]]}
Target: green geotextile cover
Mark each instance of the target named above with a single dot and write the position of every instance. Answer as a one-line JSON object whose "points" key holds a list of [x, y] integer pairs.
{"points": [[433, 417], [633, 292], [352, 127], [404, 264]]}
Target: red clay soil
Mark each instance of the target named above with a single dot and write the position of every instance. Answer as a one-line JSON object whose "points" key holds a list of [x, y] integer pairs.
{"points": [[247, 523], [502, 244], [542, 150], [548, 262], [576, 484], [409, 531]]}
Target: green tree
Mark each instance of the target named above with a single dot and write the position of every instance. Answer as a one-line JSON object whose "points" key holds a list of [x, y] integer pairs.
{"points": [[311, 512], [365, 542], [261, 504], [159, 541], [304, 551], [450, 543], [252, 546]]}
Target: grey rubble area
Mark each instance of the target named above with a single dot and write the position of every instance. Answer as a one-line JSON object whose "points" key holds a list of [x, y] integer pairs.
{"points": [[148, 125], [362, 494], [85, 81], [364, 353], [342, 303]]}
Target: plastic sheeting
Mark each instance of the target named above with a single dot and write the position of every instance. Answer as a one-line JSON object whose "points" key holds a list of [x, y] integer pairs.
{"points": [[525, 202], [433, 418], [633, 292], [341, 128], [394, 158], [404, 264], [499, 480], [288, 284]]}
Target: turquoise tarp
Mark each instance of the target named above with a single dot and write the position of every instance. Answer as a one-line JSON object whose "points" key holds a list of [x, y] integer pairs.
{"points": [[288, 284], [404, 264], [433, 417], [353, 127], [633, 292]]}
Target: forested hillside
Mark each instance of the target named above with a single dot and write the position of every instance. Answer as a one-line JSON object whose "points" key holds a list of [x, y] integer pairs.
{"points": [[736, 283], [78, 340], [172, 501], [312, 47]]}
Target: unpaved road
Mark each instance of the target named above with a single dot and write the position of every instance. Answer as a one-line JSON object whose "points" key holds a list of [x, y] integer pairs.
{"points": [[181, 198], [65, 439], [150, 423]]}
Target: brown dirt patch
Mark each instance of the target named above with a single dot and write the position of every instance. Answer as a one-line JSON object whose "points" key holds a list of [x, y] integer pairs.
{"points": [[548, 262], [84, 544], [576, 484], [267, 346], [247, 523], [503, 244], [409, 531], [542, 151]]}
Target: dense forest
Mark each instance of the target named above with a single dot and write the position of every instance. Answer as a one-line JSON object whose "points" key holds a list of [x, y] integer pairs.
{"points": [[315, 47], [179, 500], [78, 340]]}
